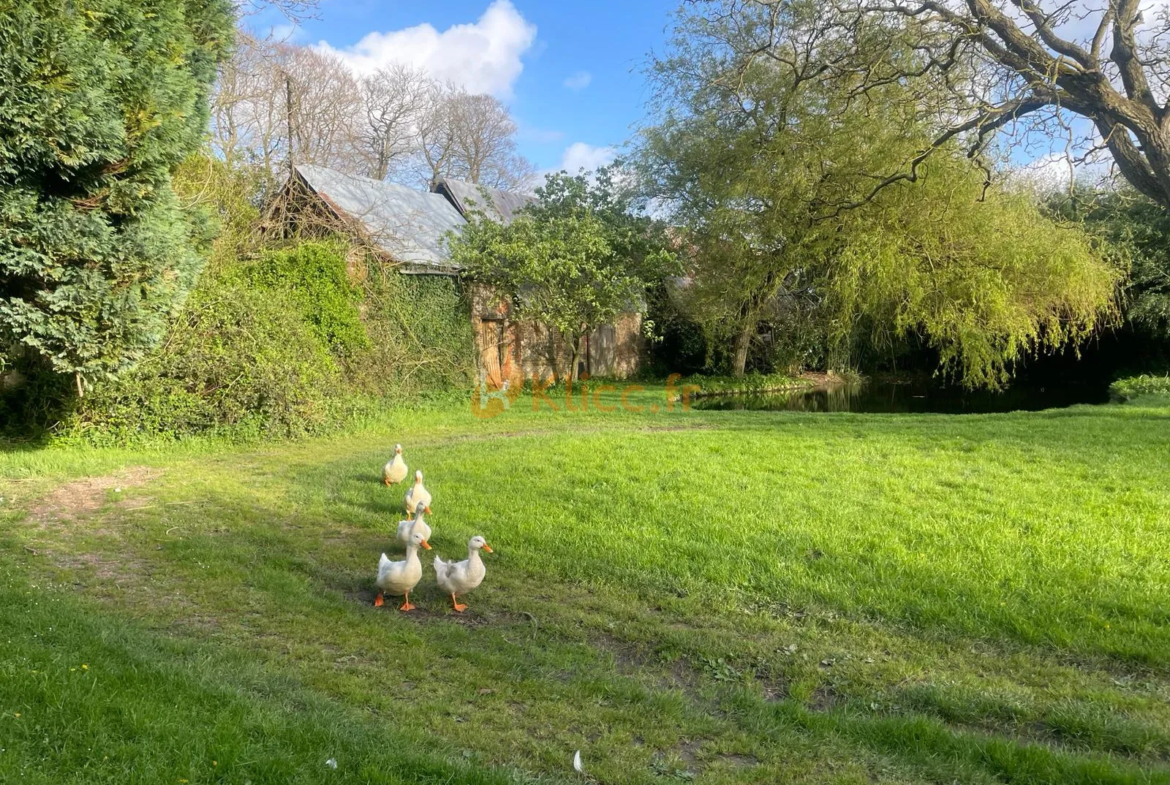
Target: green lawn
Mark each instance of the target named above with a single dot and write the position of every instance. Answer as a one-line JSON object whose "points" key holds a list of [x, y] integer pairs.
{"points": [[717, 597]]}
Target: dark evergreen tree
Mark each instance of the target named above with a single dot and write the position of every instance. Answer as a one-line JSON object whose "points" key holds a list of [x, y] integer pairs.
{"points": [[99, 101]]}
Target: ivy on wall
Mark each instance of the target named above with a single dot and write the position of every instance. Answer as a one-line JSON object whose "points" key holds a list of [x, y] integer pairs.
{"points": [[290, 343]]}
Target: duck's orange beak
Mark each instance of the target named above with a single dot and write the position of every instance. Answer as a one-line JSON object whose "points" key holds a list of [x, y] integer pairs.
{"points": [[426, 545], [488, 548], [428, 510]]}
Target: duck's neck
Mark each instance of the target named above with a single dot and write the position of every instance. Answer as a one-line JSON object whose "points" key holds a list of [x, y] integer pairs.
{"points": [[412, 552], [473, 555]]}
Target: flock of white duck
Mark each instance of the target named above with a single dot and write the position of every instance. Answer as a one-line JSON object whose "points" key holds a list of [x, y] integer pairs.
{"points": [[398, 578]]}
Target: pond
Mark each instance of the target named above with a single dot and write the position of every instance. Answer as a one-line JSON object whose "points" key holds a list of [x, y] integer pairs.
{"points": [[915, 397]]}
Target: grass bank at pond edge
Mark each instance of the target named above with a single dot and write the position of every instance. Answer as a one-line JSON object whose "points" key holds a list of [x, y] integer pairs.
{"points": [[749, 384]]}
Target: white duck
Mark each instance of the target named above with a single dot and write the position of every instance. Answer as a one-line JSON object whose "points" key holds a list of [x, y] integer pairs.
{"points": [[395, 470], [405, 528], [418, 495], [400, 577], [461, 577]]}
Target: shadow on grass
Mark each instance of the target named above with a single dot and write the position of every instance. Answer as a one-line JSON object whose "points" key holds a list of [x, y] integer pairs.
{"points": [[944, 754]]}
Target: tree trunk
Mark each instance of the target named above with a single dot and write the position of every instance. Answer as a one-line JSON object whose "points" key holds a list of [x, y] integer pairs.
{"points": [[743, 342], [575, 359]]}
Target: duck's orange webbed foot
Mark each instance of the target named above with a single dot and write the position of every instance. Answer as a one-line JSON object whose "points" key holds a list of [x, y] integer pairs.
{"points": [[378, 601], [455, 603], [406, 606]]}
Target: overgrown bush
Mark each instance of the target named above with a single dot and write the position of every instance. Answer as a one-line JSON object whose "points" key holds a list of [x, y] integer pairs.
{"points": [[1133, 386], [237, 358], [420, 333], [313, 277], [286, 344]]}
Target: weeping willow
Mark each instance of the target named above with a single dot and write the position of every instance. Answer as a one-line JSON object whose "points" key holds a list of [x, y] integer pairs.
{"points": [[769, 175], [982, 276]]}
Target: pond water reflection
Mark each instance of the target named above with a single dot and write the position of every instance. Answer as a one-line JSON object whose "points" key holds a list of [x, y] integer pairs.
{"points": [[914, 397]]}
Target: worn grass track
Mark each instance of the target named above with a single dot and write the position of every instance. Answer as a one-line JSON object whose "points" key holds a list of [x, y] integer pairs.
{"points": [[719, 597]]}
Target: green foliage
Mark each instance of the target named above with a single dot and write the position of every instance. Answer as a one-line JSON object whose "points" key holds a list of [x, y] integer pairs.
{"points": [[574, 260], [420, 331], [1139, 230], [771, 175], [227, 197], [747, 384], [100, 102], [314, 276], [1147, 384], [237, 358], [980, 274], [284, 358]]}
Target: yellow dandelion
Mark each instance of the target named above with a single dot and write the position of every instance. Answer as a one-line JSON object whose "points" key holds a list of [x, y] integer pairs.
{"points": [[84, 667], [17, 713]]}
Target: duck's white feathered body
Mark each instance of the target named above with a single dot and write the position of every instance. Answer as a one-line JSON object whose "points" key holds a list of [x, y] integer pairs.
{"points": [[395, 470], [405, 528], [417, 496], [460, 577], [399, 577]]}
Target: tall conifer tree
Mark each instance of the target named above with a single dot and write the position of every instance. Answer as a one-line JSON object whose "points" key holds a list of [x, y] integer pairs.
{"points": [[99, 101]]}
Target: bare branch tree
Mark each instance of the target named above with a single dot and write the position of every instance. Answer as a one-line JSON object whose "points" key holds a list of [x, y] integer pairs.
{"points": [[990, 69], [484, 142], [326, 104], [248, 106], [391, 102], [292, 10], [469, 137], [271, 93], [277, 102]]}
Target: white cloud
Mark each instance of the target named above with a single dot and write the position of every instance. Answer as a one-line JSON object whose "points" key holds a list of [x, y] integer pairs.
{"points": [[580, 156], [484, 57], [540, 135], [579, 81]]}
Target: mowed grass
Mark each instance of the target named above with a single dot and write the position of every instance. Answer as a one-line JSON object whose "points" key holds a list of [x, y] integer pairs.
{"points": [[717, 597]]}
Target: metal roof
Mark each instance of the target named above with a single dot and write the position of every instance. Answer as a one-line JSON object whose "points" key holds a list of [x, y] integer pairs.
{"points": [[408, 225], [497, 204]]}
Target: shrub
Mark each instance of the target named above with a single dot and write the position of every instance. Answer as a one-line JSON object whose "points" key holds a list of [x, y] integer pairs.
{"points": [[748, 383], [420, 331], [100, 102], [285, 345], [237, 358], [314, 277], [1133, 386]]}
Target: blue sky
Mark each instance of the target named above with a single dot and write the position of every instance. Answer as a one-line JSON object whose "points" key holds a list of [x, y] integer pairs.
{"points": [[569, 69]]}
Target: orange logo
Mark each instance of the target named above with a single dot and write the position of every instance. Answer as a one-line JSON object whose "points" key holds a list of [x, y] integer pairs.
{"points": [[489, 400]]}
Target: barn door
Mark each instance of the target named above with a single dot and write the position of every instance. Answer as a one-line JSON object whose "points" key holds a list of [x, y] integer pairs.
{"points": [[494, 351]]}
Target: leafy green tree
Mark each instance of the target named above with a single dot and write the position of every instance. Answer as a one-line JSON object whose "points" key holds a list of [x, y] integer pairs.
{"points": [[99, 101], [1139, 229], [765, 167], [573, 261]]}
